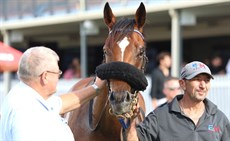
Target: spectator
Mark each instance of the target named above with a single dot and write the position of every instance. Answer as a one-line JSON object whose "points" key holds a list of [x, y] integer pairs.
{"points": [[216, 65], [30, 110], [74, 71], [158, 77], [171, 88], [151, 53], [189, 117]]}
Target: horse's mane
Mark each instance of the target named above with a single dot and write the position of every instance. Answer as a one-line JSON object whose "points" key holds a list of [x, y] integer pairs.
{"points": [[122, 28]]}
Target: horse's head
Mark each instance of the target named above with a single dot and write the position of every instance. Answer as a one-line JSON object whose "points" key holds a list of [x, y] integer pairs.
{"points": [[125, 59]]}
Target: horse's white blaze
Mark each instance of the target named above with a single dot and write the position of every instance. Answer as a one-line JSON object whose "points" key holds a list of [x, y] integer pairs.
{"points": [[123, 44]]}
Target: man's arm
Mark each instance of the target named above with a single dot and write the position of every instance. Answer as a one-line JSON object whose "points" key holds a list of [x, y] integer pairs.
{"points": [[131, 132], [226, 133], [146, 130], [75, 99]]}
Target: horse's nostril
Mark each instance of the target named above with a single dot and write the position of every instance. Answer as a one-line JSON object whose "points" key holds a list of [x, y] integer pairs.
{"points": [[128, 96], [111, 98]]}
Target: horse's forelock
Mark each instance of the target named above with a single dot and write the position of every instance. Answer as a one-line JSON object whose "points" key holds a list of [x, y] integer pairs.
{"points": [[122, 28]]}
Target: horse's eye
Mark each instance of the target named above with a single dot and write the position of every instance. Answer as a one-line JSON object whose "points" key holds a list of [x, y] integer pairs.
{"points": [[141, 52], [105, 52]]}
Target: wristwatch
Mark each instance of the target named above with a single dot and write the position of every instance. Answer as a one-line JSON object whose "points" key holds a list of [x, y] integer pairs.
{"points": [[96, 88]]}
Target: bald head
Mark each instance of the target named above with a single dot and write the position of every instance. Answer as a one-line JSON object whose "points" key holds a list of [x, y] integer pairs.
{"points": [[36, 60]]}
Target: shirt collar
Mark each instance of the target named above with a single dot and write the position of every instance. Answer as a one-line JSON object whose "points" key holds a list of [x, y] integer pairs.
{"points": [[174, 106], [36, 95]]}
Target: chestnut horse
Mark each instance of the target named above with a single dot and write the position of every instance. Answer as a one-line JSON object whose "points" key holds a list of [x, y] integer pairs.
{"points": [[102, 118]]}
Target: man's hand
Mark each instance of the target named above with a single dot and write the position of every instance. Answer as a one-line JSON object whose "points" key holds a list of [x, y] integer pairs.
{"points": [[130, 134], [100, 83]]}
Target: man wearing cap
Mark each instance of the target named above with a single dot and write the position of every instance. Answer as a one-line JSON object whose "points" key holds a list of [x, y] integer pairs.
{"points": [[189, 117]]}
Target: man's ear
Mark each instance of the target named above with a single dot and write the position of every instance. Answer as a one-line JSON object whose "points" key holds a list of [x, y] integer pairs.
{"points": [[182, 84], [164, 91], [43, 78]]}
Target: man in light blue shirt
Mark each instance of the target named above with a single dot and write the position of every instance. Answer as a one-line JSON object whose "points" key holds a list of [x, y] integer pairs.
{"points": [[30, 112], [25, 110]]}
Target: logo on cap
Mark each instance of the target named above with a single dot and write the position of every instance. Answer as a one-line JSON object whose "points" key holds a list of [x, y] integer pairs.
{"points": [[198, 65]]}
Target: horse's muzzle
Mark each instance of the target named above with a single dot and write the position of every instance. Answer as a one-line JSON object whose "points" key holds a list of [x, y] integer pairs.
{"points": [[122, 103]]}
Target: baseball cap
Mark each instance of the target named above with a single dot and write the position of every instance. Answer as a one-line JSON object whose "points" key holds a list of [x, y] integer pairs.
{"points": [[194, 68]]}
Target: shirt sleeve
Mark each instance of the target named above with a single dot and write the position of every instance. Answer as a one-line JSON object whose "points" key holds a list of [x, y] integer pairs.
{"points": [[148, 129], [226, 133]]}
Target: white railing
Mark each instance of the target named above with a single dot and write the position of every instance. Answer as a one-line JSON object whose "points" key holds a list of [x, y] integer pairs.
{"points": [[219, 92]]}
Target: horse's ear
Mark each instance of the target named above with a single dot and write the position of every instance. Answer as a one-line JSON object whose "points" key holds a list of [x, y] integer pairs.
{"points": [[109, 18], [140, 16]]}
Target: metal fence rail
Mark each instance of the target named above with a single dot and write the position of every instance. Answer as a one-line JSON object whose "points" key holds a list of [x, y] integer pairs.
{"points": [[16, 10]]}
